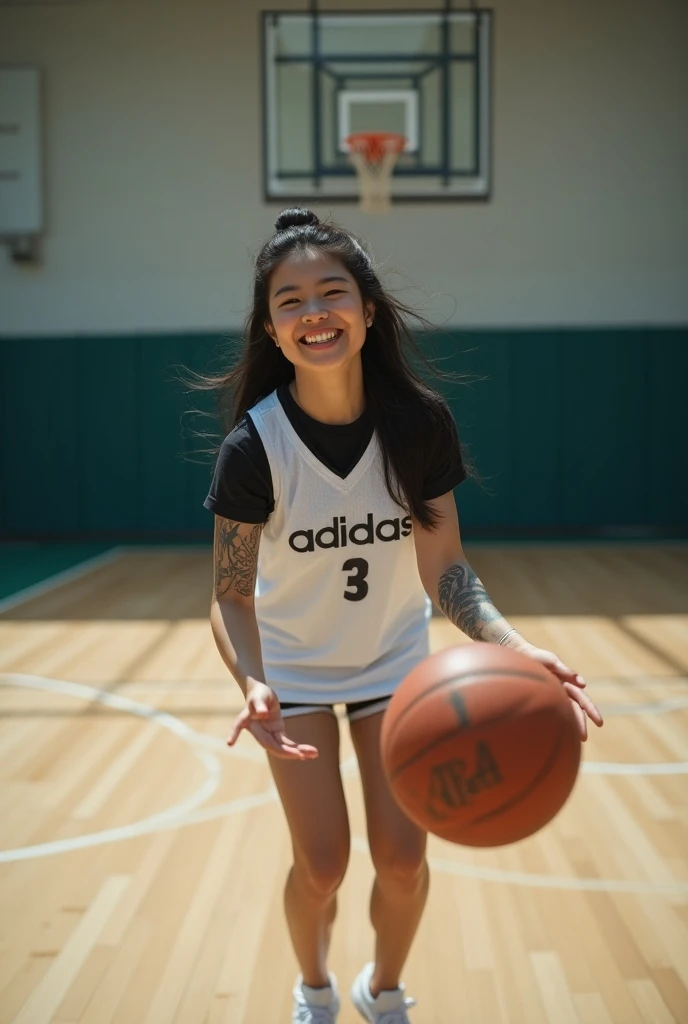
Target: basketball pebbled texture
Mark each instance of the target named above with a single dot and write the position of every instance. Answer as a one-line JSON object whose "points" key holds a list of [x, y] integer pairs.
{"points": [[481, 745]]}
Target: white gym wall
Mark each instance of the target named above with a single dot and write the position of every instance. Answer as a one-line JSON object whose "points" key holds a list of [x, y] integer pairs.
{"points": [[153, 185]]}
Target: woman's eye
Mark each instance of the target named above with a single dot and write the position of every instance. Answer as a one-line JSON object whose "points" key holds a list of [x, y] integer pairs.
{"points": [[328, 294]]}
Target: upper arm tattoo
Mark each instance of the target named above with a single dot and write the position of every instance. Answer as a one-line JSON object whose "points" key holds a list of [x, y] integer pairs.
{"points": [[236, 557], [464, 601]]}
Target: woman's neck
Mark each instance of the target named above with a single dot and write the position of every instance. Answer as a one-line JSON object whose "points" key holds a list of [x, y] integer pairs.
{"points": [[330, 397]]}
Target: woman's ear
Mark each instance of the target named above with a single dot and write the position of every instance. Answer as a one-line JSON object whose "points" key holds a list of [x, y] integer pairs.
{"points": [[369, 311], [270, 329]]}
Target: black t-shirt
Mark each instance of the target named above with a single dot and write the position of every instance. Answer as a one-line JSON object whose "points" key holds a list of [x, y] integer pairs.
{"points": [[241, 488]]}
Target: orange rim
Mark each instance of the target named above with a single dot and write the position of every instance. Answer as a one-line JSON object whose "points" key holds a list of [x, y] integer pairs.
{"points": [[374, 145]]}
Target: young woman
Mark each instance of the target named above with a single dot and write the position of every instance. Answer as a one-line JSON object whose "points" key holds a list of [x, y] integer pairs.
{"points": [[335, 524]]}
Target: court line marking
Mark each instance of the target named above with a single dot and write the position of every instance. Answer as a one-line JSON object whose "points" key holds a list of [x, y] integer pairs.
{"points": [[620, 768], [182, 815], [255, 753], [172, 817], [164, 818], [656, 707], [522, 878], [74, 572]]}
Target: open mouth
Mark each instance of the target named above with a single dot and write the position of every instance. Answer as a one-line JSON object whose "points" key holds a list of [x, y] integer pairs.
{"points": [[321, 339]]}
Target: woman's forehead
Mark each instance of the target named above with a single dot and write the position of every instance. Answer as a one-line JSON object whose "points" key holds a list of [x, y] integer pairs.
{"points": [[306, 267]]}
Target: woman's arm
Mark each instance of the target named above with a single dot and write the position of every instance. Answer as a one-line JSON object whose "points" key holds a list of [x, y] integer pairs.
{"points": [[451, 583], [232, 611], [235, 629], [449, 580]]}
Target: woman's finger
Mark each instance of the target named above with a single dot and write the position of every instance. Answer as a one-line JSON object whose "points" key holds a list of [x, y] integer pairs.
{"points": [[581, 720], [271, 743], [565, 673], [289, 754], [582, 699], [295, 753], [240, 722], [305, 748], [281, 736]]}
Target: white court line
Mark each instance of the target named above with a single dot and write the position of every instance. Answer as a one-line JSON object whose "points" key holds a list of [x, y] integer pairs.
{"points": [[523, 878], [656, 707], [256, 754], [174, 817], [182, 815], [179, 814], [60, 578], [164, 818], [616, 768]]}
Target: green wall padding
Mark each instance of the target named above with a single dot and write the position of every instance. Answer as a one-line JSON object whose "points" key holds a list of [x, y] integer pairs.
{"points": [[23, 565], [572, 432]]}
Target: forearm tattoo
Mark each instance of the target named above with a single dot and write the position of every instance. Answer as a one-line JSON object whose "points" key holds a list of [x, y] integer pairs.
{"points": [[236, 557], [464, 601]]}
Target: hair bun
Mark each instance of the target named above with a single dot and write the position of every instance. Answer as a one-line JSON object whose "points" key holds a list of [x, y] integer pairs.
{"points": [[295, 217]]}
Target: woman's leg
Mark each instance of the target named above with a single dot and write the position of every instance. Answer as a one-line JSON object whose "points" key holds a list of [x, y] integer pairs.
{"points": [[397, 848], [313, 799]]}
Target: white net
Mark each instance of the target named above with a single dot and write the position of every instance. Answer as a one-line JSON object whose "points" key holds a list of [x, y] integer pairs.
{"points": [[374, 155]]}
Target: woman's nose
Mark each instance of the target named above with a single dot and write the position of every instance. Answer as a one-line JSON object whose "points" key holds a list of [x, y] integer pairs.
{"points": [[314, 315]]}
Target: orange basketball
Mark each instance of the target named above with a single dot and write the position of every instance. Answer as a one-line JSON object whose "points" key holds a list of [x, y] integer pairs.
{"points": [[480, 745]]}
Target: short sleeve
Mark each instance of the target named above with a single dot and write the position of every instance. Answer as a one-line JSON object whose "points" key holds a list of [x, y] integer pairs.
{"points": [[445, 464], [241, 487]]}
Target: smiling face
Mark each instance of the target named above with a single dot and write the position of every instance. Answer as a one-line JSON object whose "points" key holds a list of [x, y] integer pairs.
{"points": [[317, 315]]}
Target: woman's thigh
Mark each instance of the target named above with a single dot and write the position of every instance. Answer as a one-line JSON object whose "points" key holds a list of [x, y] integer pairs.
{"points": [[397, 844], [312, 796]]}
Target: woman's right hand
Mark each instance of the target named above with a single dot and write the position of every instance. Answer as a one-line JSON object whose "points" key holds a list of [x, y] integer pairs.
{"points": [[262, 717]]}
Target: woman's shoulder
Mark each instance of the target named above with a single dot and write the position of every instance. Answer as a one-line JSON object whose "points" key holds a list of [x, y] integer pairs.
{"points": [[241, 487], [433, 418], [443, 454], [243, 440]]}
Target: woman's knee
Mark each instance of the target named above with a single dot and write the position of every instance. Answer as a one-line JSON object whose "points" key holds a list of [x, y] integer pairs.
{"points": [[320, 872], [403, 863]]}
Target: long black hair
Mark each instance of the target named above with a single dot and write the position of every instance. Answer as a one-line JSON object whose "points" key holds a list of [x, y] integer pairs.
{"points": [[410, 418]]}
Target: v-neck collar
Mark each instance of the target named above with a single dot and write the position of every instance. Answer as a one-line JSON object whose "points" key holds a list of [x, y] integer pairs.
{"points": [[342, 483]]}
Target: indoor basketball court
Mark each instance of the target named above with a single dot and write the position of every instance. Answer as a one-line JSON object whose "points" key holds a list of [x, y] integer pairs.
{"points": [[518, 172]]}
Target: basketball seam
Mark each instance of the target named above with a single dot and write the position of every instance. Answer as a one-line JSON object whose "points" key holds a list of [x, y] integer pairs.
{"points": [[441, 739], [455, 678], [533, 784]]}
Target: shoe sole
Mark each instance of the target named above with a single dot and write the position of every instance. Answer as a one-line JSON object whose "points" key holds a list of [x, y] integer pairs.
{"points": [[336, 1015], [337, 1008], [357, 1006]]}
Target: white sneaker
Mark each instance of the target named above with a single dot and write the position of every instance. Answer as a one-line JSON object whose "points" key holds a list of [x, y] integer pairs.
{"points": [[388, 1008], [315, 1005]]}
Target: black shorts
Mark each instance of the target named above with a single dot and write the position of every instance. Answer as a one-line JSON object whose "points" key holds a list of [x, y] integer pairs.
{"points": [[354, 710]]}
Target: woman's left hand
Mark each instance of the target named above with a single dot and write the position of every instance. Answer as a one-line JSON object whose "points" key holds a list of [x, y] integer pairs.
{"points": [[574, 685]]}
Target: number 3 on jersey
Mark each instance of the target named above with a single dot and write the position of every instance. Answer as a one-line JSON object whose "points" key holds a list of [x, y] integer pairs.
{"points": [[357, 581]]}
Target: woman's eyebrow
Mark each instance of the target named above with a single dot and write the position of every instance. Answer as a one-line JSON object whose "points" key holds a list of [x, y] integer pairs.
{"points": [[295, 287]]}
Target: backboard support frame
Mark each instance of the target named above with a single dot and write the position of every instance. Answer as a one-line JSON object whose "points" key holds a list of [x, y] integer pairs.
{"points": [[329, 177]]}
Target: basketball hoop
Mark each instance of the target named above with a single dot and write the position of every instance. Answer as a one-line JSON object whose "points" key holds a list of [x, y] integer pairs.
{"points": [[374, 155]]}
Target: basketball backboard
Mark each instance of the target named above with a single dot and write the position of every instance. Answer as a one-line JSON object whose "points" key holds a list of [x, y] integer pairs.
{"points": [[424, 74]]}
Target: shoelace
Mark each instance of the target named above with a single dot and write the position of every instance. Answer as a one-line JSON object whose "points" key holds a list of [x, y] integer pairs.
{"points": [[397, 1016]]}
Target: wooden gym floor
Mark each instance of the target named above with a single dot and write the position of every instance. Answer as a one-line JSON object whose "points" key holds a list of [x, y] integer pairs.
{"points": [[143, 862]]}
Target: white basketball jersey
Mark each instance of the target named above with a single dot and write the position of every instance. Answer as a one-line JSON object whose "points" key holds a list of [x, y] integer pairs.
{"points": [[341, 610]]}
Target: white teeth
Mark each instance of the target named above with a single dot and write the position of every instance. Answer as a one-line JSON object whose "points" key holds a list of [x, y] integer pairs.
{"points": [[313, 339]]}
